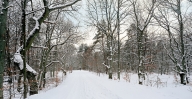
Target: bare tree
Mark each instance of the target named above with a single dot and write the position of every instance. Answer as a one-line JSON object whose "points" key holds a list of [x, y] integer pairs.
{"points": [[103, 15], [142, 16], [61, 33], [171, 17]]}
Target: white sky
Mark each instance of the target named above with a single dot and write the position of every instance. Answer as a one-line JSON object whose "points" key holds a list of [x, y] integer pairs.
{"points": [[81, 18]]}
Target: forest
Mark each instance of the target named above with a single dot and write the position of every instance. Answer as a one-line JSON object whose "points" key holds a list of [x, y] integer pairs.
{"points": [[39, 38]]}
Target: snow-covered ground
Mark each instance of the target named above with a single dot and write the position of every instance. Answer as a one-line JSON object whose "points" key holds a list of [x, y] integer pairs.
{"points": [[88, 85]]}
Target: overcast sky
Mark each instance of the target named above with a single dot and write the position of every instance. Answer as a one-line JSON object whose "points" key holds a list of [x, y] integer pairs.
{"points": [[81, 18]]}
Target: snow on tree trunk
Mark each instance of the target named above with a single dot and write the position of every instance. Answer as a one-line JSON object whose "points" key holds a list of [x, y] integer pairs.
{"points": [[31, 73]]}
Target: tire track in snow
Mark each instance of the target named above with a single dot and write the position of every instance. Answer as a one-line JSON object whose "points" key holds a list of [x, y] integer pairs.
{"points": [[75, 87], [96, 90], [79, 85]]}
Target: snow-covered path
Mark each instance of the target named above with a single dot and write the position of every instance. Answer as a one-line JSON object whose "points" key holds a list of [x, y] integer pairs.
{"points": [[83, 86], [79, 85], [87, 85]]}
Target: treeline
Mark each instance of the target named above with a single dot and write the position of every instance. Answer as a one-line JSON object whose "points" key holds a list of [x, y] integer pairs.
{"points": [[38, 38], [141, 36]]}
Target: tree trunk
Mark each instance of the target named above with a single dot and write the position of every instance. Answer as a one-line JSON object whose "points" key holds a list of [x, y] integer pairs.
{"points": [[19, 80], [33, 83], [140, 45], [44, 77], [118, 32], [109, 56], [23, 40], [110, 75], [182, 77], [140, 78], [3, 28]]}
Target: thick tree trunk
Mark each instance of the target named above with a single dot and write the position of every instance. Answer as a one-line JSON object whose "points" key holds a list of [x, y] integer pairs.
{"points": [[33, 83], [183, 78], [140, 78], [31, 80], [44, 78], [140, 41], [110, 75], [19, 82], [183, 75], [3, 28], [23, 40]]}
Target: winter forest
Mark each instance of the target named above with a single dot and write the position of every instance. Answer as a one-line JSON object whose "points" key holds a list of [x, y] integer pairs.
{"points": [[121, 39]]}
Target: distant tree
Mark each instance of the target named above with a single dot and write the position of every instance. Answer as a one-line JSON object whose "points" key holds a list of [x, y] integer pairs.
{"points": [[129, 52], [62, 32], [176, 50], [82, 50], [188, 36], [103, 16], [142, 16]]}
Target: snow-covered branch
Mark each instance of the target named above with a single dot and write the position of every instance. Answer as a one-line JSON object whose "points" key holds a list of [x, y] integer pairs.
{"points": [[63, 6], [42, 18], [106, 65], [37, 26], [52, 63], [18, 59], [43, 47]]}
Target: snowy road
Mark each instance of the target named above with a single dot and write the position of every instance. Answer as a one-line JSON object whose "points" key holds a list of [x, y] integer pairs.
{"points": [[87, 85], [79, 85]]}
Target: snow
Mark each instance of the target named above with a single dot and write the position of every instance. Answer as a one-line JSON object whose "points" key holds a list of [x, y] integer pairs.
{"points": [[87, 85], [35, 28], [18, 59], [106, 65], [52, 7]]}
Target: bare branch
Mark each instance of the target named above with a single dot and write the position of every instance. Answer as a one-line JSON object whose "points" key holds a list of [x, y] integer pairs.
{"points": [[63, 6]]}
